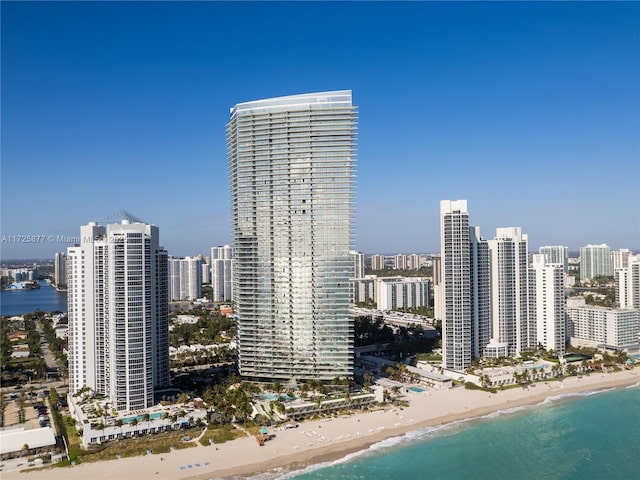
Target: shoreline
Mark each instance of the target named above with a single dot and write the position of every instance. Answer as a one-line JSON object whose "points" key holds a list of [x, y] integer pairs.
{"points": [[326, 440], [296, 462]]}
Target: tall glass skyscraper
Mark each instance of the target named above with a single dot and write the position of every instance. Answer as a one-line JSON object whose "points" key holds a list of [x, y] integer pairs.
{"points": [[292, 173]]}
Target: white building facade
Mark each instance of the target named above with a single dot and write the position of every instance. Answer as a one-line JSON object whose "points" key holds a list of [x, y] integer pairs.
{"points": [[377, 262], [511, 332], [457, 329], [118, 312], [394, 293], [292, 168], [206, 271], [400, 261], [595, 261], [628, 284], [358, 258], [556, 254], [222, 273], [601, 327], [620, 258], [185, 278], [413, 261], [547, 304]]}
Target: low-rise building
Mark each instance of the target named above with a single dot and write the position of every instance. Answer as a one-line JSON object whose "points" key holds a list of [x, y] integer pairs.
{"points": [[606, 328], [14, 440], [98, 423]]}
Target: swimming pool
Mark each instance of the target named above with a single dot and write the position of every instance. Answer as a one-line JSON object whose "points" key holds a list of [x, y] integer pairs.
{"points": [[416, 389], [272, 397], [153, 416]]}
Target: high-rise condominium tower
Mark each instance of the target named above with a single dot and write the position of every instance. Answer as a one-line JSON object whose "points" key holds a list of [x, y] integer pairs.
{"points": [[465, 287], [358, 258], [377, 262], [60, 270], [546, 303], [620, 258], [292, 169], [595, 261], [118, 312], [480, 292], [222, 273], [457, 337], [512, 331], [628, 284], [556, 254], [185, 278]]}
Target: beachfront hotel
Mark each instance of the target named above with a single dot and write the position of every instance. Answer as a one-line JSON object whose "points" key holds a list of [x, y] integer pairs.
{"points": [[292, 174], [118, 312]]}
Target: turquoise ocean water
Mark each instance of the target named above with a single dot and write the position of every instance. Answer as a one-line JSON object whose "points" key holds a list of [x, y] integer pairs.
{"points": [[575, 437]]}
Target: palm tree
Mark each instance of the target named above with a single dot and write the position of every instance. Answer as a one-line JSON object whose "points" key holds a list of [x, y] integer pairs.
{"points": [[119, 423], [516, 377], [25, 447], [396, 390], [367, 377], [146, 418], [621, 356], [304, 388]]}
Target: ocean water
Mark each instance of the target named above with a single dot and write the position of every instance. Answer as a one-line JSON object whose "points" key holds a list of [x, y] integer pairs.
{"points": [[575, 437], [46, 298]]}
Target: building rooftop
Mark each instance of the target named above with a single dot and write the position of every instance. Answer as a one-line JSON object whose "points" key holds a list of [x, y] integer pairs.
{"points": [[119, 217], [13, 440]]}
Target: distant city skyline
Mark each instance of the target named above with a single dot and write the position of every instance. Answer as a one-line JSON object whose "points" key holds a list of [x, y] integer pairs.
{"points": [[527, 110]]}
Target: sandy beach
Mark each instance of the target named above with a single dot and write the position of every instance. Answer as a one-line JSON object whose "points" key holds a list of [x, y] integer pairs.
{"points": [[328, 439]]}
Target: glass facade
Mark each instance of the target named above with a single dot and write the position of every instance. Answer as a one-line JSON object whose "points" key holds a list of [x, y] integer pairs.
{"points": [[292, 173]]}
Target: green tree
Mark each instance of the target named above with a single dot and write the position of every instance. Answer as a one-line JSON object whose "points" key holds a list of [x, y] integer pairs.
{"points": [[5, 345], [119, 424], [621, 356], [146, 418], [367, 377]]}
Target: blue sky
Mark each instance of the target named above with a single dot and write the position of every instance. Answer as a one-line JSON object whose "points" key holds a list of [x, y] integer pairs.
{"points": [[530, 111]]}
